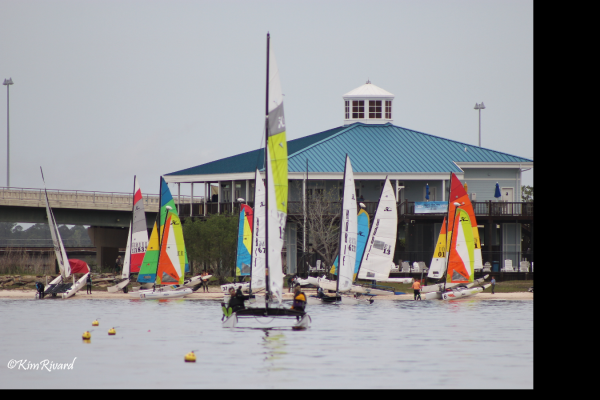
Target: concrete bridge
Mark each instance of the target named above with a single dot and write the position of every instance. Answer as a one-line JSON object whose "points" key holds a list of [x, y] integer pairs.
{"points": [[107, 213]]}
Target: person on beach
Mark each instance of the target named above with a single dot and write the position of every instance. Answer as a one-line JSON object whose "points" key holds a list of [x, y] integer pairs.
{"points": [[493, 281], [205, 282], [299, 299], [40, 289], [290, 283], [118, 265], [89, 284], [417, 288]]}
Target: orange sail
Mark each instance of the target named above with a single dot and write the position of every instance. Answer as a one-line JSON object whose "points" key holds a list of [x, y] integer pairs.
{"points": [[167, 273], [458, 194]]}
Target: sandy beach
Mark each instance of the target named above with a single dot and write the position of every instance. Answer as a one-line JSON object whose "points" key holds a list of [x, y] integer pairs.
{"points": [[218, 295]]}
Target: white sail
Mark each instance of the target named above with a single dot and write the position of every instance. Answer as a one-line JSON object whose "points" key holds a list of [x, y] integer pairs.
{"points": [[348, 231], [276, 228], [377, 258], [126, 262], [59, 249], [139, 231], [257, 266]]}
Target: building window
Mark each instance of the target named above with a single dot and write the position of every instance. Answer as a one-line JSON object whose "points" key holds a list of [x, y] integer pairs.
{"points": [[388, 109], [358, 109], [347, 109], [375, 109]]}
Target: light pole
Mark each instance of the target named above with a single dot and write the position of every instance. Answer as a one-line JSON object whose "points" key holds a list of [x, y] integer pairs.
{"points": [[479, 107], [7, 83]]}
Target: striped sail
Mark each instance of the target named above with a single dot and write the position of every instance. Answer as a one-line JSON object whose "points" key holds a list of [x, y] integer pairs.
{"points": [[149, 265], [242, 265], [59, 248], [438, 261], [462, 250], [458, 194], [258, 235], [166, 200], [170, 270], [139, 231], [276, 227], [362, 233], [348, 228], [377, 258], [277, 178]]}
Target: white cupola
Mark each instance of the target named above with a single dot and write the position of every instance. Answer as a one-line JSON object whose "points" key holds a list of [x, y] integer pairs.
{"points": [[368, 104]]}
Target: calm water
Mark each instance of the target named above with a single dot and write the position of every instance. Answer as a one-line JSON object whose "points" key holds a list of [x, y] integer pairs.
{"points": [[389, 344]]}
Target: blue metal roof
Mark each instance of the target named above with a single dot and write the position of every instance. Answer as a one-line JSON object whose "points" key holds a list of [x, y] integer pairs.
{"points": [[390, 148], [248, 162], [372, 148]]}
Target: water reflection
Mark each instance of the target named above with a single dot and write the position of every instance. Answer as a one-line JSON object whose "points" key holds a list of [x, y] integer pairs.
{"points": [[274, 344]]}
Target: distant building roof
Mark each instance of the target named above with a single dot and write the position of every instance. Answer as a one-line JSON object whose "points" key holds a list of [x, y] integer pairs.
{"points": [[372, 148], [369, 90]]}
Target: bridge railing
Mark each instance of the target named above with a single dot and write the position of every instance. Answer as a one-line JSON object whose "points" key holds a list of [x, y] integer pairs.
{"points": [[84, 197]]}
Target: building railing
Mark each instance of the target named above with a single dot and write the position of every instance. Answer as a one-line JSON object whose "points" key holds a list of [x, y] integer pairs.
{"points": [[481, 208]]}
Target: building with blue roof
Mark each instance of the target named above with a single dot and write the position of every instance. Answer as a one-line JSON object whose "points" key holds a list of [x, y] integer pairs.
{"points": [[378, 149]]}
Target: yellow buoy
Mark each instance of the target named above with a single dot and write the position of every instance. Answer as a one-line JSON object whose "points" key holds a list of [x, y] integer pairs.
{"points": [[190, 357], [95, 323], [86, 335], [112, 331]]}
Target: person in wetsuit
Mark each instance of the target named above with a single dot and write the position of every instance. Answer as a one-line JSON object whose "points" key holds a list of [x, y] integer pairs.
{"points": [[236, 302], [299, 299], [40, 289]]}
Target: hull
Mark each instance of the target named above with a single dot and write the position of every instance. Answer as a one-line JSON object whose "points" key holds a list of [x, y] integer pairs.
{"points": [[398, 280], [463, 292], [440, 286], [196, 280], [303, 323], [244, 285], [161, 294], [119, 286], [370, 291], [344, 300], [76, 286]]}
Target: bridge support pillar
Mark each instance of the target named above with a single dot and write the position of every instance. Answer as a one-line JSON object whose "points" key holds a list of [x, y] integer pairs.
{"points": [[107, 242]]}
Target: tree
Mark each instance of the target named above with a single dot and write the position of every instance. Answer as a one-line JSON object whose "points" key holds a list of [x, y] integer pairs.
{"points": [[322, 223], [212, 244], [527, 193]]}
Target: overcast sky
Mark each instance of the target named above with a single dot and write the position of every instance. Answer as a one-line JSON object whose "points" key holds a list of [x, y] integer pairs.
{"points": [[105, 90]]}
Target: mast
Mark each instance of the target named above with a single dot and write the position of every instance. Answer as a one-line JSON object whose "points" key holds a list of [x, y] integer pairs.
{"points": [[267, 181], [447, 223]]}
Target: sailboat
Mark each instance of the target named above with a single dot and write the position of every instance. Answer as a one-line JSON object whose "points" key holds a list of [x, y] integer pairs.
{"points": [[376, 260], [275, 210], [67, 267], [457, 200], [244, 249], [164, 263], [137, 241], [347, 243]]}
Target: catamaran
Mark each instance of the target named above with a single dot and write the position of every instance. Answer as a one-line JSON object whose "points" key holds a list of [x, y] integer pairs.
{"points": [[376, 260], [67, 267], [164, 263], [275, 212], [347, 245], [244, 249], [137, 241], [453, 268]]}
